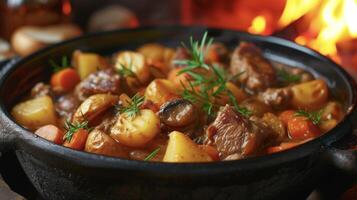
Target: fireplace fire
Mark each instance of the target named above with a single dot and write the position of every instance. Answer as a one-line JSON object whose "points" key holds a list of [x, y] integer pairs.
{"points": [[327, 26]]}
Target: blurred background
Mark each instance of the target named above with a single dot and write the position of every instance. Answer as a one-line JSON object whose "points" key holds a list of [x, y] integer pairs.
{"points": [[327, 26]]}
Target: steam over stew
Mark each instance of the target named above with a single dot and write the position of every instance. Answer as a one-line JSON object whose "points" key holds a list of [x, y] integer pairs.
{"points": [[198, 103]]}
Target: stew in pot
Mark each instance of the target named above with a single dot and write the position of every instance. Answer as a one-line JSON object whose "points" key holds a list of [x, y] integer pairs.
{"points": [[200, 102]]}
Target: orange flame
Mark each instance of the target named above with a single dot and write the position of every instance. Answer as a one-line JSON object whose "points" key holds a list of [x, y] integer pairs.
{"points": [[332, 21], [258, 25], [294, 9]]}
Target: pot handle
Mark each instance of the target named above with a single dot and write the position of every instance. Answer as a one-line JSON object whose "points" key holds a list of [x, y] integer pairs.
{"points": [[7, 134], [343, 153]]}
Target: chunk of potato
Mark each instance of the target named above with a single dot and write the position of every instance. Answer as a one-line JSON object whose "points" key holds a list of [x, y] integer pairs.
{"points": [[331, 116], [152, 51], [156, 52], [136, 131], [310, 95], [100, 143], [182, 149], [93, 106], [160, 91], [87, 63], [238, 94], [35, 113], [136, 63]]}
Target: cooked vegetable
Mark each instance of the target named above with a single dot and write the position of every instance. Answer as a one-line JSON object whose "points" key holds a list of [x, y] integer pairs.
{"points": [[135, 62], [238, 94], [286, 116], [51, 133], [301, 128], [76, 135], [87, 63], [131, 107], [65, 80], [35, 113], [310, 95], [284, 146], [78, 140], [179, 79], [160, 91], [313, 116], [332, 114], [211, 151], [93, 107], [178, 113], [100, 143], [157, 53], [136, 131], [182, 149]]}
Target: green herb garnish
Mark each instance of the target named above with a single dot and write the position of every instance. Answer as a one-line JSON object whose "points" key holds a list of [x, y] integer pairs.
{"points": [[126, 71], [210, 87], [152, 154], [72, 128], [56, 67], [133, 107], [287, 77], [197, 50], [314, 116]]}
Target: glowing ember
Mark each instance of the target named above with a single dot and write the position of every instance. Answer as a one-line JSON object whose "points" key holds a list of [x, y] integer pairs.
{"points": [[258, 25], [66, 8], [329, 22]]}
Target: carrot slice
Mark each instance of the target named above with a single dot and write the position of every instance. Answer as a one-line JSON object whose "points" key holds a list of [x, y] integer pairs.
{"points": [[50, 133], [286, 116], [65, 80], [284, 146], [301, 128], [78, 140], [210, 150]]}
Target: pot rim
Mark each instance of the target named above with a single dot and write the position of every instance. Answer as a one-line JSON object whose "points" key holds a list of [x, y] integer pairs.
{"points": [[90, 160]]}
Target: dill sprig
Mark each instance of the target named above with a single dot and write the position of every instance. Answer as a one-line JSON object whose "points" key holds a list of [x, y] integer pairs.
{"points": [[197, 49], [72, 128], [133, 107], [58, 67], [314, 116], [126, 71], [287, 77], [152, 154], [214, 86]]}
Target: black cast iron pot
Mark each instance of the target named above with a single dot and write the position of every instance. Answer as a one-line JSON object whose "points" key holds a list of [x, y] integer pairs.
{"points": [[61, 173]]}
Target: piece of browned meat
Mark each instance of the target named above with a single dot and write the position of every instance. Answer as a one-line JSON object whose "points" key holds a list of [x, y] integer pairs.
{"points": [[236, 136], [257, 72], [41, 89], [103, 81], [278, 98], [66, 105]]}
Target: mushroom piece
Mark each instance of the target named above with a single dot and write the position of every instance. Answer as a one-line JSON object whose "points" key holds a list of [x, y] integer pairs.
{"points": [[93, 107], [177, 113]]}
